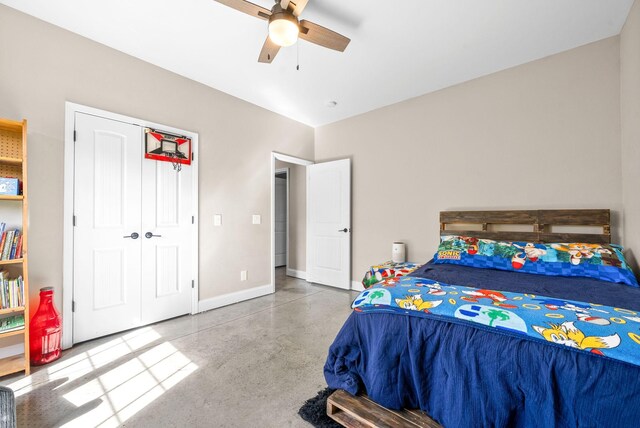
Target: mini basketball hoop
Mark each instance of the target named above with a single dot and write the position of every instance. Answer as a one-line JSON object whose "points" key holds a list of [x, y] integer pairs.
{"points": [[166, 147]]}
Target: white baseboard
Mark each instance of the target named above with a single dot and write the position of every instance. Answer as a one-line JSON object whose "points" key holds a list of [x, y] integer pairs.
{"points": [[357, 286], [297, 273], [231, 298]]}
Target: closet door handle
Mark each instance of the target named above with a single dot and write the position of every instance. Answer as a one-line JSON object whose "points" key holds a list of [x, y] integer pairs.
{"points": [[150, 235], [134, 235]]}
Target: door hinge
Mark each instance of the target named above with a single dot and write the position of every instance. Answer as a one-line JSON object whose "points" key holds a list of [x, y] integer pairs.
{"points": [[74, 135], [73, 306], [193, 219], [193, 156], [74, 220], [193, 283]]}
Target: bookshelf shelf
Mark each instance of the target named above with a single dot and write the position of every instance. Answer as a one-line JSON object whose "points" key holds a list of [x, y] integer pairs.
{"points": [[10, 161], [12, 333], [11, 262], [13, 164], [11, 310], [12, 364]]}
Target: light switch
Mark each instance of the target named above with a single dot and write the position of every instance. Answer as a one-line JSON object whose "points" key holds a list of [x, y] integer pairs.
{"points": [[217, 219], [257, 219], [243, 275]]}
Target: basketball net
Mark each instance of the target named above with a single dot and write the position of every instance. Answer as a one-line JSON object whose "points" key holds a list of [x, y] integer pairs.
{"points": [[177, 166]]}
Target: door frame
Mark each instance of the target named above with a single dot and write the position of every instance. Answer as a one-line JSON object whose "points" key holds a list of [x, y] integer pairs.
{"points": [[289, 159], [69, 171], [286, 172]]}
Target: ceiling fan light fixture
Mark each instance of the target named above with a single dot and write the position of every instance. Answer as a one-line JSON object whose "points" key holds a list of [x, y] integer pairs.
{"points": [[283, 28]]}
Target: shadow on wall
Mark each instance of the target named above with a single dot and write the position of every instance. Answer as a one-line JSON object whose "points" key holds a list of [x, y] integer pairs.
{"points": [[631, 259], [618, 223]]}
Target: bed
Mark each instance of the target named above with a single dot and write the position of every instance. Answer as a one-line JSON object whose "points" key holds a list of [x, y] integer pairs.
{"points": [[465, 374]]}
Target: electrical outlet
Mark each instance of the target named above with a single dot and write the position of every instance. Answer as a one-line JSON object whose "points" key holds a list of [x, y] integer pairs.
{"points": [[243, 275], [257, 219], [217, 219]]}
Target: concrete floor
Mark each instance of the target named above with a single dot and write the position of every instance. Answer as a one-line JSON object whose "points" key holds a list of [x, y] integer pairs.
{"points": [[248, 364]]}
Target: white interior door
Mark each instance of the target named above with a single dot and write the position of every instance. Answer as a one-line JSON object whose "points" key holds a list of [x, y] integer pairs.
{"points": [[329, 223], [166, 241], [281, 221], [107, 212]]}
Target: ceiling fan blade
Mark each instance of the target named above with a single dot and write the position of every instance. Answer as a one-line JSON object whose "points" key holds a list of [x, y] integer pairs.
{"points": [[268, 52], [285, 4], [247, 7], [297, 6], [319, 35]]}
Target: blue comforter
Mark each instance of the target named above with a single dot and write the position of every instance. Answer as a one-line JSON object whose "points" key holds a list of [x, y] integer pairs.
{"points": [[470, 377]]}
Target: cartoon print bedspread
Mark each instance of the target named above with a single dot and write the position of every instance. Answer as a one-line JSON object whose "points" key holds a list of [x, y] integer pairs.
{"points": [[387, 270], [583, 327]]}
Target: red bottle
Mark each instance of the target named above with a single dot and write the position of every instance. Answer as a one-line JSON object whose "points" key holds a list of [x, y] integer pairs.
{"points": [[45, 330]]}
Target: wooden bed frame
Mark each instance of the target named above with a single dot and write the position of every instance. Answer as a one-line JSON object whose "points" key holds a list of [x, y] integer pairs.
{"points": [[360, 411], [541, 221]]}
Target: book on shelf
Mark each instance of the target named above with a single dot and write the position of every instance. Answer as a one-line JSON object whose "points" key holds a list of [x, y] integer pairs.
{"points": [[7, 244], [11, 291], [14, 246], [10, 243], [18, 253], [4, 236], [11, 323]]}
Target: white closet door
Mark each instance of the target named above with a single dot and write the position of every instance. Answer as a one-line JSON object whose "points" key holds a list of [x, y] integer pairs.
{"points": [[107, 207], [167, 255]]}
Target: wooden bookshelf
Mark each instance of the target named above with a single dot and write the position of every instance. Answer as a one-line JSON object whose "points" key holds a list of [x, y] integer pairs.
{"points": [[13, 163]]}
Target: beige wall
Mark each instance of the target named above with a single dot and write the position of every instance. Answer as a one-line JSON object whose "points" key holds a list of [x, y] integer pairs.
{"points": [[542, 135], [297, 215], [630, 115], [42, 66]]}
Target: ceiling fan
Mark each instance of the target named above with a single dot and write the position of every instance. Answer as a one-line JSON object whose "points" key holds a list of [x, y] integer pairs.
{"points": [[285, 28]]}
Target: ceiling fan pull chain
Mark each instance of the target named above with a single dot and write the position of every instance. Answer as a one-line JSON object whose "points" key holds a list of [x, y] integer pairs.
{"points": [[298, 56]]}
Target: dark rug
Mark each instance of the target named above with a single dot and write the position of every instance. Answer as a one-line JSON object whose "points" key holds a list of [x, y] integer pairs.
{"points": [[314, 410]]}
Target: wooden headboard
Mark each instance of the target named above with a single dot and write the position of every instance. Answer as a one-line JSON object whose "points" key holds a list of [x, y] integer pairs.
{"points": [[541, 221]]}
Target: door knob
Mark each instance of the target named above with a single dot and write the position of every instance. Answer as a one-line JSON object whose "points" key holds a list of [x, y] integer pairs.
{"points": [[345, 230], [150, 235], [133, 235]]}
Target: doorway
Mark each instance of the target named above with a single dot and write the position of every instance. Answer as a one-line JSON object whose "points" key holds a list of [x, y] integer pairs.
{"points": [[319, 221], [288, 214], [130, 254], [289, 222]]}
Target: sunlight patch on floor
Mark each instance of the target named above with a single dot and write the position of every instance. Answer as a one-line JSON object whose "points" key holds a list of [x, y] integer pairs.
{"points": [[86, 362], [130, 387], [110, 398]]}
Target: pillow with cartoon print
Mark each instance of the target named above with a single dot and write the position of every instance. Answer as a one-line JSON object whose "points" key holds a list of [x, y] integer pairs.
{"points": [[599, 261]]}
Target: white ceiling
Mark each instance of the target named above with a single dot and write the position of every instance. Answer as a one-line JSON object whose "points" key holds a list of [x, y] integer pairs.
{"points": [[398, 50]]}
